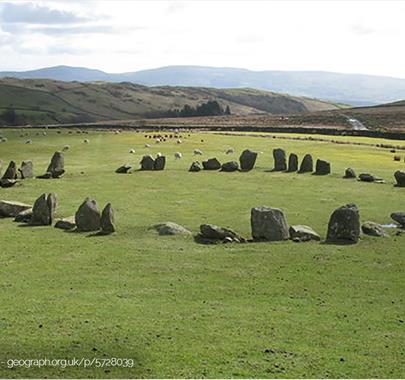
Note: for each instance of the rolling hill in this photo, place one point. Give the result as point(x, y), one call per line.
point(354, 89)
point(44, 101)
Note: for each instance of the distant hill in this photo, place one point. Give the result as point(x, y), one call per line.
point(354, 89)
point(45, 101)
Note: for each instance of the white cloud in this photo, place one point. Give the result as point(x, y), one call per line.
point(117, 36)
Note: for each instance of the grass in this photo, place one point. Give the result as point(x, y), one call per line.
point(181, 309)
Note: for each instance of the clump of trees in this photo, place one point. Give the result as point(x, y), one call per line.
point(210, 108)
point(8, 117)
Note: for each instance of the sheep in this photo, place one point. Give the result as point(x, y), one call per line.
point(147, 146)
point(86, 141)
point(197, 152)
point(29, 141)
point(179, 141)
point(157, 140)
point(230, 151)
point(132, 151)
point(65, 148)
point(178, 155)
point(44, 133)
point(158, 154)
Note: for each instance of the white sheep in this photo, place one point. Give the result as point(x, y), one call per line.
point(147, 146)
point(230, 151)
point(179, 141)
point(132, 151)
point(86, 141)
point(197, 152)
point(157, 141)
point(28, 142)
point(178, 155)
point(158, 154)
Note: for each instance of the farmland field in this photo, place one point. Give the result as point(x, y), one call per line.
point(183, 309)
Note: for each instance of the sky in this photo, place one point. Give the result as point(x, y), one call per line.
point(121, 36)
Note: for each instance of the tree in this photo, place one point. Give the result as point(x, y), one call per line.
point(9, 116)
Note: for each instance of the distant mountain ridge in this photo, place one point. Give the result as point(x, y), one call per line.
point(354, 89)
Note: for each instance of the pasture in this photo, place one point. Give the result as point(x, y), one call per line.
point(183, 309)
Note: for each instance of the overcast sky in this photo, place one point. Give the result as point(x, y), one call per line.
point(118, 36)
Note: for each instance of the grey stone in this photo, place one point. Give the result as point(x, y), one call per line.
point(307, 164)
point(43, 211)
point(349, 173)
point(123, 169)
point(322, 167)
point(147, 162)
point(231, 166)
point(247, 160)
point(66, 223)
point(160, 163)
point(10, 209)
point(87, 217)
point(373, 229)
point(57, 165)
point(399, 217)
point(344, 225)
point(11, 171)
point(400, 178)
point(213, 232)
point(269, 224)
point(367, 177)
point(170, 228)
point(107, 220)
point(5, 183)
point(24, 216)
point(211, 164)
point(303, 233)
point(292, 163)
point(280, 160)
point(26, 170)
point(195, 167)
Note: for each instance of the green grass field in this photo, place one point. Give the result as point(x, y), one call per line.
point(182, 309)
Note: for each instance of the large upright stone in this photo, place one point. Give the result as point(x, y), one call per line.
point(87, 217)
point(11, 171)
point(107, 220)
point(247, 160)
point(147, 162)
point(43, 211)
point(344, 225)
point(26, 170)
point(211, 164)
point(56, 167)
point(322, 167)
point(292, 163)
point(160, 163)
point(307, 164)
point(400, 178)
point(280, 160)
point(269, 224)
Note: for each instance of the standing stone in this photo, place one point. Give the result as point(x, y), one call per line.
point(26, 170)
point(349, 173)
point(307, 164)
point(322, 167)
point(269, 224)
point(160, 163)
point(87, 217)
point(107, 220)
point(211, 164)
point(147, 162)
point(11, 171)
point(400, 178)
point(344, 225)
point(292, 163)
point(43, 211)
point(57, 166)
point(247, 160)
point(195, 167)
point(280, 160)
point(231, 166)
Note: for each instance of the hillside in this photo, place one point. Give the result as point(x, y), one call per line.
point(354, 89)
point(43, 101)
